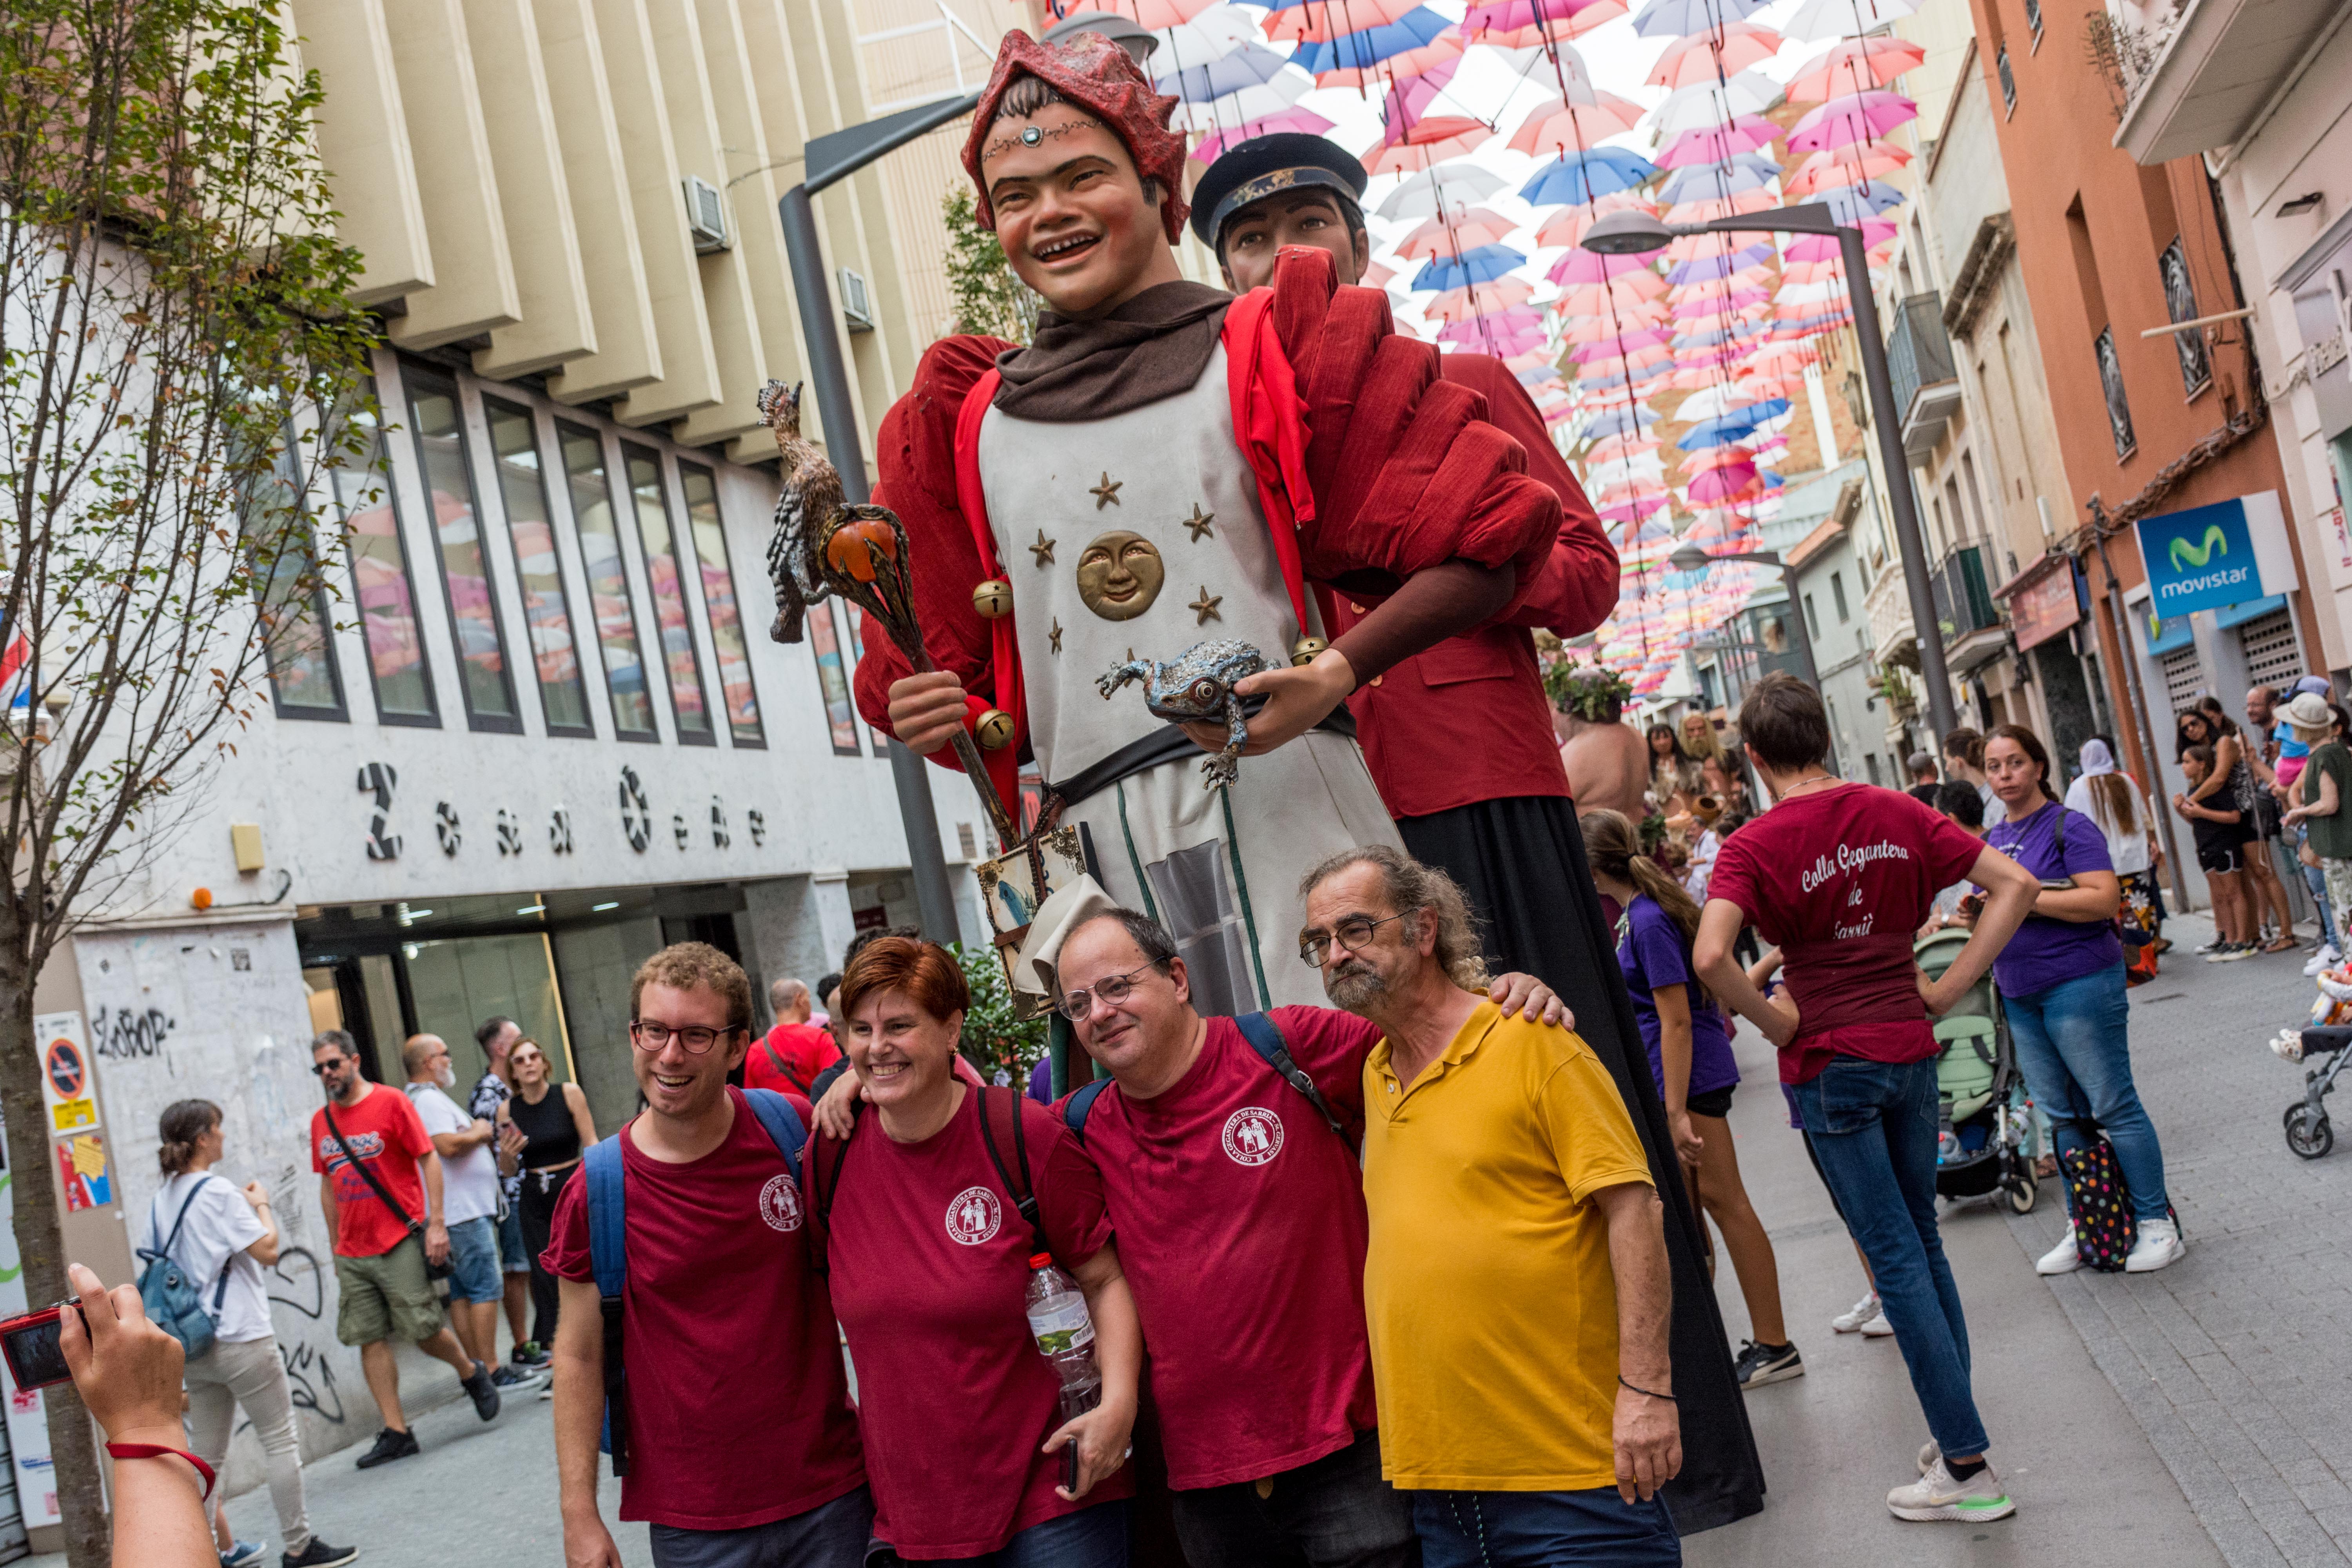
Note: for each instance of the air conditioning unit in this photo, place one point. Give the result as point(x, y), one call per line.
point(857, 305)
point(706, 216)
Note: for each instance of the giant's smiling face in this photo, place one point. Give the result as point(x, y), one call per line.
point(1076, 222)
point(1120, 573)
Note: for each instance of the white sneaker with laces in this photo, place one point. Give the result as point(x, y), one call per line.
point(2063, 1259)
point(2324, 957)
point(2158, 1245)
point(1938, 1495)
point(1878, 1328)
point(1928, 1455)
point(1853, 1316)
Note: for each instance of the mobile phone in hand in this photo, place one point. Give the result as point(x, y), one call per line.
point(30, 1345)
point(1070, 1465)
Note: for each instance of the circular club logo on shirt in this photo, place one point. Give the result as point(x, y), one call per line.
point(973, 1216)
point(780, 1203)
point(1252, 1135)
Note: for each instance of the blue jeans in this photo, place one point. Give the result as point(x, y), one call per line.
point(474, 1260)
point(1539, 1529)
point(2317, 881)
point(1872, 1126)
point(513, 1256)
point(2074, 1043)
point(1091, 1538)
point(830, 1535)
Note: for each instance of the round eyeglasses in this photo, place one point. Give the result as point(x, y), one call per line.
point(648, 1036)
point(1352, 933)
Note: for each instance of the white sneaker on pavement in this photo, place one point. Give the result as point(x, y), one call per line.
point(2326, 956)
point(1853, 1316)
point(1878, 1328)
point(1938, 1495)
point(2062, 1258)
point(1928, 1455)
point(2158, 1246)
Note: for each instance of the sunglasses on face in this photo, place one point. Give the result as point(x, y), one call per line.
point(321, 1069)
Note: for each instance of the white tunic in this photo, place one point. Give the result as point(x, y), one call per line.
point(1161, 841)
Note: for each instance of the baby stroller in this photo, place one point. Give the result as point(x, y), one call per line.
point(2330, 1030)
point(1983, 1146)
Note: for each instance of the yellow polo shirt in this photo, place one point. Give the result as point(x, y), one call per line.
point(1488, 1288)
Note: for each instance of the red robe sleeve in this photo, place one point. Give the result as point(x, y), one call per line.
point(916, 454)
point(1577, 586)
point(1407, 473)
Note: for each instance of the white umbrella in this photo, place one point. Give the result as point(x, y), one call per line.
point(1254, 103)
point(1207, 38)
point(1706, 105)
point(1449, 185)
point(1533, 64)
point(1817, 21)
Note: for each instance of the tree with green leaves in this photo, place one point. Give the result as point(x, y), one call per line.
point(994, 1040)
point(178, 350)
point(988, 298)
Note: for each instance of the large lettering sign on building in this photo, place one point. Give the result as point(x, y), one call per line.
point(2209, 557)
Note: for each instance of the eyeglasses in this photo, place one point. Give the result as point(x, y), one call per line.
point(321, 1069)
point(1353, 933)
point(652, 1037)
point(1113, 989)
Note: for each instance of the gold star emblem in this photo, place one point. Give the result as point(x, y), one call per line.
point(1205, 606)
point(1106, 493)
point(1055, 634)
point(1201, 522)
point(1043, 550)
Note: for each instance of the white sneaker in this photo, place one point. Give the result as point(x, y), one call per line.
point(1928, 1455)
point(1938, 1495)
point(2063, 1259)
point(2323, 958)
point(2158, 1246)
point(1853, 1316)
point(1878, 1328)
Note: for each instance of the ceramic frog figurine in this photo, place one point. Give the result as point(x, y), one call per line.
point(1197, 684)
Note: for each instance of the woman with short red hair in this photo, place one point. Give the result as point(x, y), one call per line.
point(930, 1214)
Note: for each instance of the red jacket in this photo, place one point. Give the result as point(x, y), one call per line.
point(1467, 721)
point(1364, 455)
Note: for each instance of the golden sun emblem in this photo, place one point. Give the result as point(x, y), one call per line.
point(1120, 574)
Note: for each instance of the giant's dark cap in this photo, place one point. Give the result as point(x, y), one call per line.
point(1249, 171)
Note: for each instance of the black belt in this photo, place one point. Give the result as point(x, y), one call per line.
point(1165, 745)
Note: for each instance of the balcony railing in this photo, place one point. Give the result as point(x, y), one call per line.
point(1963, 599)
point(1919, 363)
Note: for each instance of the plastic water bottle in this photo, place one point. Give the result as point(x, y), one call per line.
point(1947, 1146)
point(1065, 1333)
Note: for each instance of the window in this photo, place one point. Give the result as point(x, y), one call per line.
point(295, 625)
point(2008, 79)
point(2033, 19)
point(831, 679)
point(522, 487)
point(1812, 621)
point(381, 580)
point(718, 602)
point(2180, 305)
point(669, 597)
point(1837, 596)
point(608, 582)
point(439, 422)
point(2111, 379)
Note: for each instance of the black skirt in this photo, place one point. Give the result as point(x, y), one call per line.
point(1521, 861)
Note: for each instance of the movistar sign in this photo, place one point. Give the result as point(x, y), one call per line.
point(2209, 557)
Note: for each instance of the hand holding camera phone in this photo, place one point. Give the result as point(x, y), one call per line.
point(30, 1344)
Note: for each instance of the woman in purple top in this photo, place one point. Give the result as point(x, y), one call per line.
point(1690, 1058)
point(2062, 990)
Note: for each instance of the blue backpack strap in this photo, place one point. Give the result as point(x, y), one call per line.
point(608, 1257)
point(1082, 1100)
point(783, 1123)
point(1265, 1037)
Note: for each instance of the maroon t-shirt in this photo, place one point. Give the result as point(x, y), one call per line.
point(930, 1270)
point(1840, 879)
point(1242, 1224)
point(741, 1415)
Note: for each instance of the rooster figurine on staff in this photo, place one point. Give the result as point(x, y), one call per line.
point(824, 546)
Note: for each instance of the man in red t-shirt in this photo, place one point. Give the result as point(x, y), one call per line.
point(742, 1446)
point(1241, 1217)
point(795, 1050)
point(1838, 875)
point(382, 1247)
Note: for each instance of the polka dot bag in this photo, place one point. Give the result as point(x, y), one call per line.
point(2105, 1227)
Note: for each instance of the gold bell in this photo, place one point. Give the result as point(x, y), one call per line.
point(1304, 650)
point(994, 728)
point(992, 599)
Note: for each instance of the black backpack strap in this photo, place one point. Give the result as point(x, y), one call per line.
point(823, 1186)
point(1081, 1101)
point(787, 1074)
point(1003, 1105)
point(1265, 1037)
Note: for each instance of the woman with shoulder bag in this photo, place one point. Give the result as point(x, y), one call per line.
point(920, 1215)
point(221, 1237)
point(543, 1129)
point(2062, 990)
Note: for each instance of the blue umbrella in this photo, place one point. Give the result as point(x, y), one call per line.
point(1627, 421)
point(1852, 203)
point(1707, 268)
point(1711, 182)
point(1721, 431)
point(1361, 50)
point(1483, 265)
point(1770, 408)
point(1245, 67)
point(1580, 177)
point(1682, 18)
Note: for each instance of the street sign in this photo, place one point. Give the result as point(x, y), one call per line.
point(66, 1087)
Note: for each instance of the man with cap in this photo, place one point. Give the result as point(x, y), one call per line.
point(1459, 740)
point(1164, 467)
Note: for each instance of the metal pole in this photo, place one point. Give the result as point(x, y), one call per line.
point(1804, 640)
point(829, 376)
point(1887, 419)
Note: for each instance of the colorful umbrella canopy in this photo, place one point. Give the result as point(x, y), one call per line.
point(1304, 120)
point(1152, 14)
point(1710, 103)
point(1857, 117)
point(1256, 102)
point(1683, 18)
point(1580, 177)
point(1409, 97)
point(1451, 234)
point(1322, 20)
point(1248, 66)
point(1845, 166)
point(1856, 64)
point(1818, 19)
point(1492, 299)
point(1743, 136)
point(1431, 142)
point(1478, 266)
point(1561, 124)
point(1422, 195)
point(1704, 57)
point(1210, 36)
point(1369, 45)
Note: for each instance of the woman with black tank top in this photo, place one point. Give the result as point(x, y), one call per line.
point(543, 1129)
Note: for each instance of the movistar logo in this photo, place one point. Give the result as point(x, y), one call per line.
point(2185, 554)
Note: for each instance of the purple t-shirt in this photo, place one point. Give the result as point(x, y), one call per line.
point(1651, 955)
point(2046, 951)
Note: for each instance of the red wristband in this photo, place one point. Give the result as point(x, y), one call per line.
point(157, 1451)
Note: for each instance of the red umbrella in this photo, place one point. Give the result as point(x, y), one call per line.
point(1569, 122)
point(1689, 61)
point(1433, 140)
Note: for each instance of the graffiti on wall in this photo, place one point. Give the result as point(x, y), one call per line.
point(126, 1035)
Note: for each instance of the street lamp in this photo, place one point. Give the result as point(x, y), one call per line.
point(826, 161)
point(1638, 234)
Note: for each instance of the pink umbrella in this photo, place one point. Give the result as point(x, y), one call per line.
point(1689, 61)
point(1591, 267)
point(1592, 298)
point(1845, 166)
point(1856, 64)
point(1452, 233)
point(1483, 299)
point(1563, 123)
point(1409, 97)
point(1305, 120)
point(1720, 145)
point(1433, 140)
point(1715, 486)
point(1323, 20)
point(1446, 46)
point(1483, 22)
point(1859, 117)
point(1156, 15)
point(1738, 201)
point(1567, 225)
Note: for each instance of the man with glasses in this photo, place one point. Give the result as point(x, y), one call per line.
point(742, 1451)
point(1514, 1280)
point(1241, 1219)
point(379, 1189)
